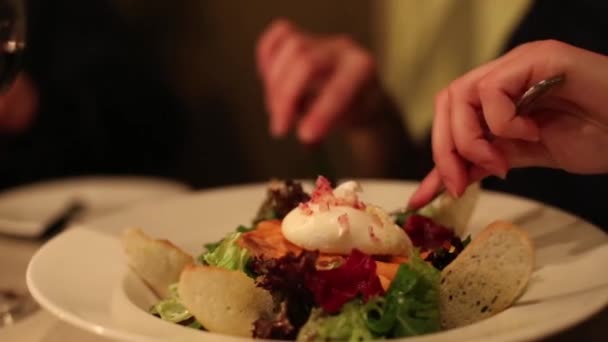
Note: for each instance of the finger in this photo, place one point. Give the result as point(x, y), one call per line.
point(468, 129)
point(477, 173)
point(468, 126)
point(294, 46)
point(427, 189)
point(497, 92)
point(295, 85)
point(449, 164)
point(470, 140)
point(521, 154)
point(270, 41)
point(335, 96)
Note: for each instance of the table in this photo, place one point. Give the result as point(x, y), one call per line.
point(41, 326)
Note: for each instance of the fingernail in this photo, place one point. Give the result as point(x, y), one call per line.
point(532, 137)
point(497, 171)
point(276, 129)
point(453, 193)
point(495, 166)
point(306, 135)
point(500, 174)
point(412, 203)
point(451, 188)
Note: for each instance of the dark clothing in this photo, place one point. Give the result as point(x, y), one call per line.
point(581, 23)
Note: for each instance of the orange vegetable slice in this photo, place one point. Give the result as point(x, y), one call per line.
point(267, 241)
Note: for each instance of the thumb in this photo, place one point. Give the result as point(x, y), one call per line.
point(521, 153)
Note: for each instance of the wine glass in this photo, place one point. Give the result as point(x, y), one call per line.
point(15, 304)
point(12, 39)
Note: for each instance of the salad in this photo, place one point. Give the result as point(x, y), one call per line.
point(326, 266)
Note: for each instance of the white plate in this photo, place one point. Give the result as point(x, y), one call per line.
point(81, 275)
point(25, 210)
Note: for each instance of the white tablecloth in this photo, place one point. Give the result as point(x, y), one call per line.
point(41, 326)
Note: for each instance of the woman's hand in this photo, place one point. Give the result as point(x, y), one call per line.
point(566, 129)
point(316, 82)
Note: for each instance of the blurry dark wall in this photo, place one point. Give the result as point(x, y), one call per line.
point(162, 88)
point(208, 48)
point(105, 107)
point(237, 34)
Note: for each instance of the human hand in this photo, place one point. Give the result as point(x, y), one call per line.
point(17, 105)
point(319, 81)
point(566, 129)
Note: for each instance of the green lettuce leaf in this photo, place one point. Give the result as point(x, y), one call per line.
point(211, 246)
point(244, 229)
point(429, 211)
point(448, 211)
point(411, 304)
point(227, 254)
point(171, 309)
point(348, 325)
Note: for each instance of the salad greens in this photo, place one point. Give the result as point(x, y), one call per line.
point(346, 303)
point(244, 229)
point(430, 210)
point(410, 307)
point(281, 198)
point(349, 325)
point(227, 254)
point(411, 304)
point(211, 246)
point(448, 211)
point(172, 310)
point(285, 278)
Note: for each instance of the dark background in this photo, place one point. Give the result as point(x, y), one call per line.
point(169, 88)
point(159, 88)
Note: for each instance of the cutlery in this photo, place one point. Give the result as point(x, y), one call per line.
point(532, 94)
point(16, 305)
point(63, 219)
point(54, 225)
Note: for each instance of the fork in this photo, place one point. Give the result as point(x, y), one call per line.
point(532, 94)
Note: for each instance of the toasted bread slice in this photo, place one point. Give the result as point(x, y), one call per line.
point(487, 277)
point(223, 301)
point(158, 262)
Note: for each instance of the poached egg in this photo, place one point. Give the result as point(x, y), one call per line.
point(335, 221)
